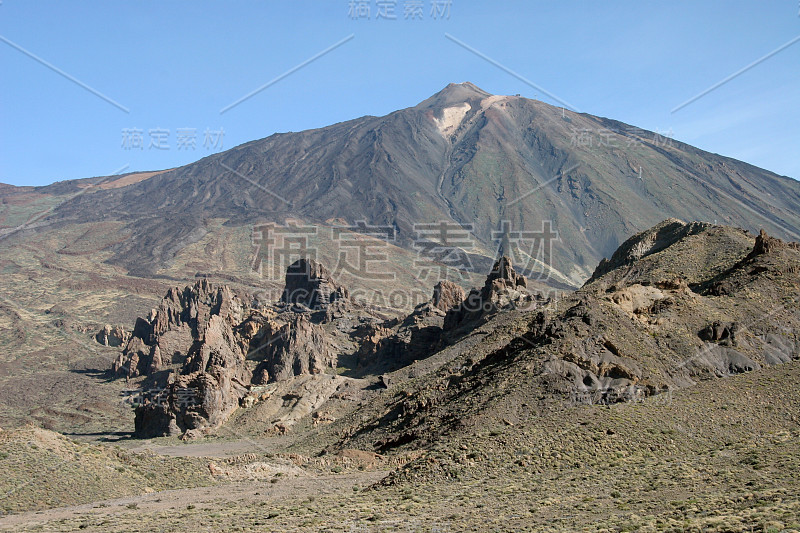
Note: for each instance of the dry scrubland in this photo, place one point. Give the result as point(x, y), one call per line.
point(722, 456)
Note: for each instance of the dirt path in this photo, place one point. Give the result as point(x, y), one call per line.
point(201, 497)
point(209, 449)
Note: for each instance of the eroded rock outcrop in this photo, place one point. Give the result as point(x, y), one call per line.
point(309, 284)
point(225, 348)
point(164, 337)
point(291, 349)
point(447, 295)
point(765, 245)
point(112, 336)
point(504, 289)
point(213, 375)
point(720, 333)
point(394, 344)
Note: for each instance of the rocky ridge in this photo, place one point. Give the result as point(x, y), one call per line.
point(682, 303)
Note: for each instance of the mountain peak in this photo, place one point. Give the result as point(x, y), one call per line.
point(466, 86)
point(454, 94)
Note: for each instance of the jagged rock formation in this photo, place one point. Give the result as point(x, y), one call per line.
point(446, 295)
point(112, 336)
point(395, 344)
point(233, 348)
point(503, 289)
point(448, 314)
point(291, 349)
point(226, 348)
point(309, 284)
point(196, 325)
point(181, 319)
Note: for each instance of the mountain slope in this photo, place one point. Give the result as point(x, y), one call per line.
point(463, 156)
point(707, 302)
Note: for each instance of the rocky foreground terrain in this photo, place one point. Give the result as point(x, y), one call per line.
point(660, 396)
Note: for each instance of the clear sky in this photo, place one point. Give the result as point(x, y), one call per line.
point(174, 65)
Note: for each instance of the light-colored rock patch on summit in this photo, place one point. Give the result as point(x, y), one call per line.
point(451, 118)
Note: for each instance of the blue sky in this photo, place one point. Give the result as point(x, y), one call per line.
point(175, 65)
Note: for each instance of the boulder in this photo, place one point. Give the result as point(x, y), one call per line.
point(719, 333)
point(447, 295)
